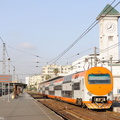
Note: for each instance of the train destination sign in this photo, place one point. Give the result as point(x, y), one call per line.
point(6, 78)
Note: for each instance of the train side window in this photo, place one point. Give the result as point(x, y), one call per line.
point(46, 88)
point(51, 92)
point(76, 86)
point(76, 76)
point(67, 94)
point(58, 87)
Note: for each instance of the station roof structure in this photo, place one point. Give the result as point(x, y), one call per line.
point(108, 11)
point(20, 84)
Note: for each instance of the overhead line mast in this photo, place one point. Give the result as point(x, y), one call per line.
point(4, 60)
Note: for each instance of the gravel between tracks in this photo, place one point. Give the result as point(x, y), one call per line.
point(72, 112)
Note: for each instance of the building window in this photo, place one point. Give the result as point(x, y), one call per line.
point(118, 90)
point(110, 38)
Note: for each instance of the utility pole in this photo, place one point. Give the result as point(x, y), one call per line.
point(3, 69)
point(9, 65)
point(3, 65)
point(14, 73)
point(8, 82)
point(95, 58)
point(111, 63)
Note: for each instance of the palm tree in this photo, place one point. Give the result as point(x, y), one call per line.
point(56, 71)
point(47, 77)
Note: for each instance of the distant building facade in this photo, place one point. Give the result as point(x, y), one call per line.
point(49, 69)
point(47, 73)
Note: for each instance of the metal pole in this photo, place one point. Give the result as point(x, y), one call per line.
point(8, 92)
point(3, 65)
point(14, 74)
point(3, 69)
point(8, 82)
point(2, 90)
point(91, 61)
point(111, 63)
point(95, 59)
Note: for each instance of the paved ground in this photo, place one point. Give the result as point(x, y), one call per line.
point(24, 108)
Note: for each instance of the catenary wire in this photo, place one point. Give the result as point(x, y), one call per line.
point(89, 28)
point(26, 52)
point(84, 33)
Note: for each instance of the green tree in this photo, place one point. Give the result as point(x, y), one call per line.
point(56, 71)
point(47, 77)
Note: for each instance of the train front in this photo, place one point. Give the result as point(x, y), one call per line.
point(99, 85)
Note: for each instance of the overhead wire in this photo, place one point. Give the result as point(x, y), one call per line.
point(84, 33)
point(79, 53)
point(2, 40)
point(110, 47)
point(27, 52)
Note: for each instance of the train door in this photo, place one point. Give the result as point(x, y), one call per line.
point(82, 88)
point(80, 98)
point(76, 89)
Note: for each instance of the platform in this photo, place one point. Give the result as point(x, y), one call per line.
point(24, 108)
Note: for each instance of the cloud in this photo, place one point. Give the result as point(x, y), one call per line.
point(27, 45)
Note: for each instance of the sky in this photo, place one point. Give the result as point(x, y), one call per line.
point(45, 28)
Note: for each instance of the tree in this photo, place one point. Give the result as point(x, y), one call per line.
point(56, 71)
point(47, 77)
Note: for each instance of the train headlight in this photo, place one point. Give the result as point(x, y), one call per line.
point(89, 93)
point(104, 99)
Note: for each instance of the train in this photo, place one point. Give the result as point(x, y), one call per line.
point(92, 88)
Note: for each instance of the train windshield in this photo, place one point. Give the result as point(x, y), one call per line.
point(99, 79)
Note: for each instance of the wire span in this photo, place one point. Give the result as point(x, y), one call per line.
point(84, 33)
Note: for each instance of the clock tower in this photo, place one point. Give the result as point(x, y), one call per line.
point(108, 36)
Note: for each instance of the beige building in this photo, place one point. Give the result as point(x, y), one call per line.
point(47, 73)
point(50, 69)
point(33, 81)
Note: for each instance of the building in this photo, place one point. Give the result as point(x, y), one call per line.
point(47, 73)
point(33, 81)
point(85, 62)
point(108, 35)
point(50, 69)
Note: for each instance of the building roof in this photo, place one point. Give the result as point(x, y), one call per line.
point(108, 11)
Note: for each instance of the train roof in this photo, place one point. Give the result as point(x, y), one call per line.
point(67, 78)
point(52, 79)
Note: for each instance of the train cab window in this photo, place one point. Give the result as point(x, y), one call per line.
point(99, 79)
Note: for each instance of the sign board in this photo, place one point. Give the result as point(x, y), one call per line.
point(6, 78)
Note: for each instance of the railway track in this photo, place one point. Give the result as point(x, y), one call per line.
point(72, 112)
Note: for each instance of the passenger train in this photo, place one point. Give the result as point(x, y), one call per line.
point(92, 88)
